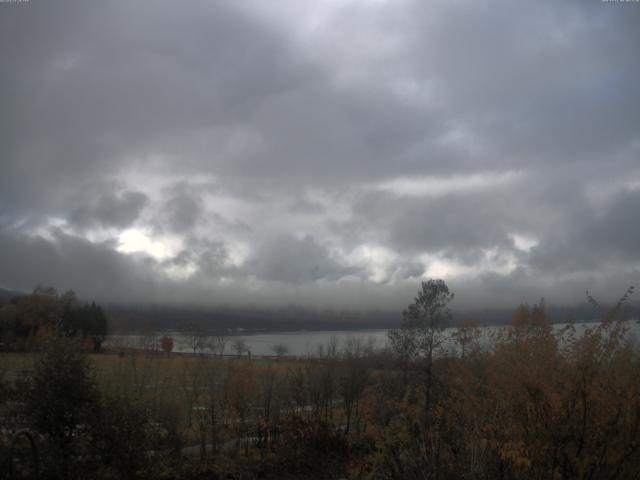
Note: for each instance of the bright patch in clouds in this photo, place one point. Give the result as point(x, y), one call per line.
point(237, 253)
point(177, 272)
point(492, 260)
point(378, 260)
point(135, 241)
point(435, 186)
point(440, 269)
point(524, 242)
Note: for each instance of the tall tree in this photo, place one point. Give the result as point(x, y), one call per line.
point(421, 335)
point(62, 399)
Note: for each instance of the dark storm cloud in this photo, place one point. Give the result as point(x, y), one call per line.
point(109, 210)
point(71, 262)
point(547, 82)
point(291, 260)
point(257, 145)
point(458, 224)
point(90, 89)
point(595, 239)
point(182, 209)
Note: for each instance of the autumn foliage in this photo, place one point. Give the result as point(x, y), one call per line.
point(27, 321)
point(540, 403)
point(167, 344)
point(525, 401)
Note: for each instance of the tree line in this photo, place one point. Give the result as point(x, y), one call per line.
point(26, 321)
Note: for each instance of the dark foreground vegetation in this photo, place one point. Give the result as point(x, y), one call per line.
point(26, 321)
point(532, 403)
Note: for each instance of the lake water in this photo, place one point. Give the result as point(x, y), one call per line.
point(302, 343)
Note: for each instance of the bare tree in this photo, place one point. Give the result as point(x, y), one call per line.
point(143, 371)
point(268, 381)
point(190, 383)
point(218, 342)
point(280, 349)
point(240, 392)
point(322, 378)
point(467, 336)
point(148, 341)
point(354, 375)
point(240, 346)
point(216, 401)
point(195, 338)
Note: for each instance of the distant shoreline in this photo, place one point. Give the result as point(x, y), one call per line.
point(267, 331)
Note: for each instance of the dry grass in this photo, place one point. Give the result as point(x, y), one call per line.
point(159, 379)
point(14, 366)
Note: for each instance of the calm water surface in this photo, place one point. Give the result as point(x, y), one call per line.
point(304, 342)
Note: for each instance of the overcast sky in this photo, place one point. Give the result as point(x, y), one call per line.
point(327, 153)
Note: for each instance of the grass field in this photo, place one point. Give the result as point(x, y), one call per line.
point(186, 385)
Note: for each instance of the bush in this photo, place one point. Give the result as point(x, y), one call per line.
point(122, 437)
point(305, 445)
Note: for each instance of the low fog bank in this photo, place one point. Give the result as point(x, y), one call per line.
point(139, 319)
point(321, 307)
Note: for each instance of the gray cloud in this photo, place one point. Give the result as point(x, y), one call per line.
point(291, 260)
point(110, 210)
point(251, 149)
point(460, 225)
point(182, 209)
point(71, 262)
point(595, 239)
